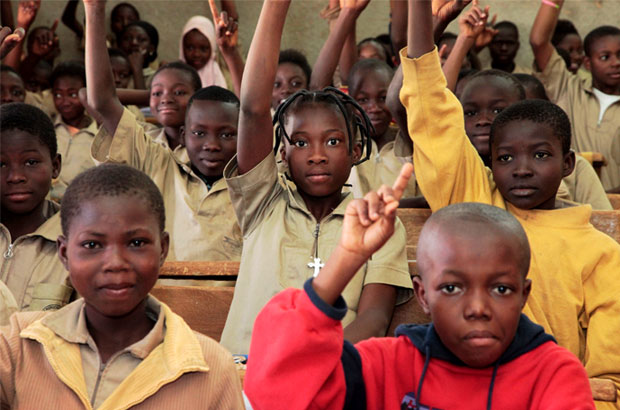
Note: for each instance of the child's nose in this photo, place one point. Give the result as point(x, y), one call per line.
point(16, 175)
point(115, 260)
point(476, 307)
point(522, 168)
point(318, 155)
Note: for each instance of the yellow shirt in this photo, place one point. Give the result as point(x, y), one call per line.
point(201, 221)
point(31, 268)
point(575, 96)
point(8, 306)
point(74, 149)
point(279, 237)
point(574, 268)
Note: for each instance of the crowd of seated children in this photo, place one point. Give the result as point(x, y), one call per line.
point(116, 347)
point(29, 222)
point(593, 107)
point(289, 229)
point(201, 220)
point(530, 154)
point(139, 40)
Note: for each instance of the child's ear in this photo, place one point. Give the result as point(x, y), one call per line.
point(182, 132)
point(420, 293)
point(283, 153)
point(56, 166)
point(357, 152)
point(61, 245)
point(165, 246)
point(587, 63)
point(569, 163)
point(527, 288)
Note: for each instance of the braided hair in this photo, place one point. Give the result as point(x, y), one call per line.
point(354, 116)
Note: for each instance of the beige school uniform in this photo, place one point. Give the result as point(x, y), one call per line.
point(31, 268)
point(172, 367)
point(576, 97)
point(74, 148)
point(43, 101)
point(585, 187)
point(8, 306)
point(279, 238)
point(201, 221)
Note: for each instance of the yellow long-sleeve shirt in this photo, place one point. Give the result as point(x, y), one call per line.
point(574, 268)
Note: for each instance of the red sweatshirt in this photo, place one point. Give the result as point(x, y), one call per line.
point(298, 360)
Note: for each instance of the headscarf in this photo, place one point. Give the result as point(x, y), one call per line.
point(210, 74)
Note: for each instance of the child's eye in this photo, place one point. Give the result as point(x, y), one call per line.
point(32, 162)
point(91, 245)
point(228, 135)
point(17, 93)
point(137, 243)
point(73, 95)
point(504, 158)
point(470, 113)
point(333, 141)
point(450, 289)
point(604, 57)
point(300, 143)
point(180, 92)
point(296, 84)
point(497, 110)
point(156, 93)
point(276, 84)
point(541, 155)
point(502, 290)
point(199, 134)
point(57, 95)
point(362, 100)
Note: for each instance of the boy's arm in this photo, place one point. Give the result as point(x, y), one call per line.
point(255, 134)
point(542, 31)
point(326, 63)
point(101, 91)
point(26, 13)
point(69, 20)
point(376, 306)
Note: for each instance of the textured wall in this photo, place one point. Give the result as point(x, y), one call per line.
point(306, 31)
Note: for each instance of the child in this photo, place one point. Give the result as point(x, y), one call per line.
point(29, 227)
point(289, 230)
point(11, 86)
point(504, 47)
point(530, 154)
point(74, 128)
point(566, 37)
point(116, 347)
point(479, 352)
point(293, 74)
point(139, 41)
point(593, 107)
point(121, 67)
point(122, 15)
point(201, 219)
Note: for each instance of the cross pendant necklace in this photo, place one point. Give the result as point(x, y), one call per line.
point(316, 263)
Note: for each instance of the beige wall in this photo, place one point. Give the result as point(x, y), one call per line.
point(306, 31)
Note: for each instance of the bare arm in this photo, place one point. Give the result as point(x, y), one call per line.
point(420, 28)
point(374, 313)
point(26, 13)
point(69, 20)
point(129, 96)
point(101, 91)
point(7, 15)
point(542, 31)
point(8, 40)
point(398, 32)
point(327, 61)
point(255, 134)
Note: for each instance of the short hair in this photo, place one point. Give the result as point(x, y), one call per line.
point(185, 68)
point(71, 68)
point(386, 42)
point(366, 65)
point(517, 87)
point(507, 24)
point(539, 112)
point(528, 80)
point(454, 216)
point(378, 44)
point(116, 9)
point(117, 52)
point(445, 36)
point(214, 93)
point(597, 34)
point(151, 31)
point(111, 180)
point(10, 69)
point(296, 57)
point(30, 119)
point(562, 29)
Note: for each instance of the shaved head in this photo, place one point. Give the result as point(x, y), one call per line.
point(469, 221)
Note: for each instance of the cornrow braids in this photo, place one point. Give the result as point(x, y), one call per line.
point(354, 115)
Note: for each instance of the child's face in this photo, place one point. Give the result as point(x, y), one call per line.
point(318, 156)
point(136, 39)
point(65, 91)
point(39, 80)
point(370, 92)
point(170, 92)
point(290, 78)
point(27, 171)
point(482, 99)
point(528, 164)
point(604, 63)
point(573, 45)
point(504, 45)
point(121, 70)
point(113, 252)
point(196, 49)
point(211, 135)
point(474, 289)
point(371, 49)
point(123, 16)
point(11, 88)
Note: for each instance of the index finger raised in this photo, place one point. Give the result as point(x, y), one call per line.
point(214, 11)
point(401, 182)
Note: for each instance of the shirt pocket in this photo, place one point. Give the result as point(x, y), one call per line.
point(50, 296)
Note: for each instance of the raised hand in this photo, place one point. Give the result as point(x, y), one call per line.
point(357, 5)
point(447, 10)
point(9, 40)
point(369, 222)
point(27, 12)
point(486, 35)
point(226, 32)
point(473, 23)
point(46, 42)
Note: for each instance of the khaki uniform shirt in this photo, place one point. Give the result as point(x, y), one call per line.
point(584, 186)
point(201, 221)
point(43, 101)
point(8, 306)
point(31, 268)
point(575, 96)
point(75, 153)
point(279, 235)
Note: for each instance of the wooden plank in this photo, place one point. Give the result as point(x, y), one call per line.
point(603, 390)
point(205, 309)
point(607, 222)
point(219, 270)
point(615, 200)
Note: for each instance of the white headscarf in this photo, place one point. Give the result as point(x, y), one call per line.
point(210, 74)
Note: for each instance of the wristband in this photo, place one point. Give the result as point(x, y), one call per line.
point(550, 3)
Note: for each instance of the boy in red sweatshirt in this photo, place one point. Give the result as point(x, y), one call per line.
point(479, 352)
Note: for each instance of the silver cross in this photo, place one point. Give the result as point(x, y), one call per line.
point(317, 265)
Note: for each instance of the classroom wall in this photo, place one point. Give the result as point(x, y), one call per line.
point(306, 31)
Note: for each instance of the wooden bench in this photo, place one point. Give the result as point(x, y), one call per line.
point(615, 200)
